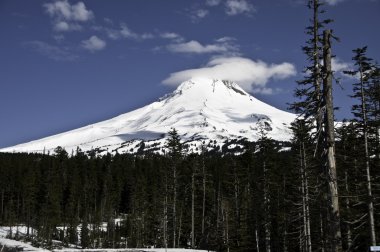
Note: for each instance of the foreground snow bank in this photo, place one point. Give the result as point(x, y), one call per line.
point(17, 245)
point(133, 250)
point(21, 246)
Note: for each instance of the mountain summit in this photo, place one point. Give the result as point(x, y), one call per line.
point(203, 111)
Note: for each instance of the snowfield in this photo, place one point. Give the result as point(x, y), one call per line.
point(200, 110)
point(19, 245)
point(135, 250)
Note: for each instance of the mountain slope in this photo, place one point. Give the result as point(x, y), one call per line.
point(202, 110)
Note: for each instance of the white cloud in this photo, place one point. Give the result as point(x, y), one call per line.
point(65, 26)
point(64, 11)
point(174, 37)
point(198, 14)
point(169, 35)
point(146, 36)
point(58, 37)
point(66, 16)
point(338, 65)
point(94, 44)
point(52, 52)
point(225, 40)
point(124, 32)
point(251, 75)
point(266, 90)
point(223, 45)
point(201, 13)
point(333, 2)
point(236, 7)
point(213, 2)
point(108, 21)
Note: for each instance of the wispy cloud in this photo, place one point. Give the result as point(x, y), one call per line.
point(333, 2)
point(198, 14)
point(236, 7)
point(266, 90)
point(66, 17)
point(250, 74)
point(108, 21)
point(175, 37)
point(58, 37)
point(52, 52)
point(213, 2)
point(338, 65)
point(224, 45)
point(123, 32)
point(63, 26)
point(94, 44)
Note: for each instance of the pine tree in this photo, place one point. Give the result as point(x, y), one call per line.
point(174, 146)
point(365, 70)
point(301, 141)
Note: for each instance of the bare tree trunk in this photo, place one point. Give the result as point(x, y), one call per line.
point(227, 231)
point(204, 196)
point(301, 242)
point(218, 207)
point(348, 227)
point(368, 173)
point(179, 228)
point(334, 213)
point(257, 239)
point(305, 199)
point(192, 210)
point(266, 207)
point(174, 204)
point(285, 234)
point(237, 208)
point(284, 241)
point(2, 204)
point(166, 215)
point(28, 222)
point(323, 245)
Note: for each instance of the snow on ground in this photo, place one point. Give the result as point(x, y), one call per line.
point(20, 230)
point(27, 247)
point(19, 245)
point(133, 250)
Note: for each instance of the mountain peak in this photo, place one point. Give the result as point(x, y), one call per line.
point(207, 84)
point(202, 110)
point(197, 89)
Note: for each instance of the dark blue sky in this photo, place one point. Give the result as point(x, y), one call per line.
point(66, 64)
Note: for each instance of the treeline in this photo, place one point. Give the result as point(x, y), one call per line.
point(262, 200)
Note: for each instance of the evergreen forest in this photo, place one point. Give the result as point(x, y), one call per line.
point(319, 192)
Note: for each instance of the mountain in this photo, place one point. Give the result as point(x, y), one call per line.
point(203, 111)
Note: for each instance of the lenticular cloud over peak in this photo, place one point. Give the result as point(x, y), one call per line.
point(248, 73)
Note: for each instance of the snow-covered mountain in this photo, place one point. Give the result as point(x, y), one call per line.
point(203, 111)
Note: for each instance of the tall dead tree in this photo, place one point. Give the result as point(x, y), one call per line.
point(329, 149)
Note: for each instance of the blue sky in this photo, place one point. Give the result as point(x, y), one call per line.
point(66, 64)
